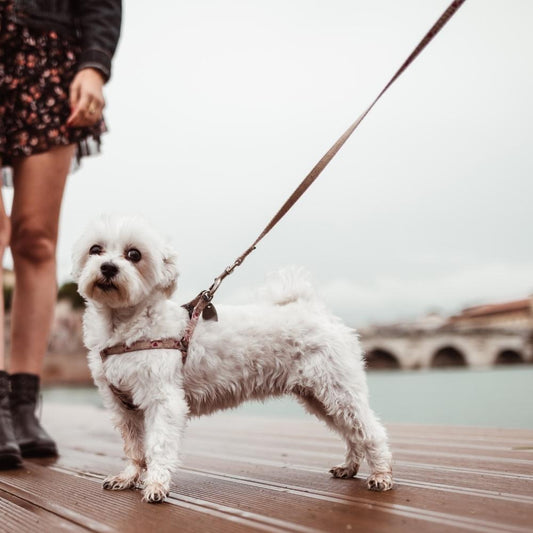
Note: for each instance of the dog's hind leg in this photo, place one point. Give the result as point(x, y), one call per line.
point(165, 420)
point(131, 427)
point(354, 452)
point(374, 442)
point(349, 413)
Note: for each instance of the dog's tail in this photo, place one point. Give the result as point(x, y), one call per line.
point(288, 285)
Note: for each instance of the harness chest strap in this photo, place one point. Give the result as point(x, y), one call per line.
point(159, 344)
point(200, 306)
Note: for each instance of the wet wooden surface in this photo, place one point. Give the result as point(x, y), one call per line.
point(262, 474)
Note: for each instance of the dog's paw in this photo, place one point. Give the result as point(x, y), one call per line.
point(119, 482)
point(344, 471)
point(155, 493)
point(380, 481)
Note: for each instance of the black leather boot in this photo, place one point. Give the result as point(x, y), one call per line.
point(32, 439)
point(9, 449)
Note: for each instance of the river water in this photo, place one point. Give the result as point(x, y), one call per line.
point(492, 397)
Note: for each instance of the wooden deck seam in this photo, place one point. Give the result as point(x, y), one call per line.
point(466, 470)
point(512, 445)
point(333, 438)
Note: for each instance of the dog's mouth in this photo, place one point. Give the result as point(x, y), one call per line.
point(106, 285)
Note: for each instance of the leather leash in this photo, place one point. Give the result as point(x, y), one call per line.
point(201, 305)
point(196, 307)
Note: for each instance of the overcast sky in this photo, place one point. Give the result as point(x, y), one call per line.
point(218, 109)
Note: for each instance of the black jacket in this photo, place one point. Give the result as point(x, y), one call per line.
point(95, 23)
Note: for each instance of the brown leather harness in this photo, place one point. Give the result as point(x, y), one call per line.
point(201, 305)
point(208, 312)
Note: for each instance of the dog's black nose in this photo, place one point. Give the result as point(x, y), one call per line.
point(109, 270)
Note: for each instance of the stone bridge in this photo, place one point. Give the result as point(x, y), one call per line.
point(409, 349)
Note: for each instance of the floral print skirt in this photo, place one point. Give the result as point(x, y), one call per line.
point(36, 70)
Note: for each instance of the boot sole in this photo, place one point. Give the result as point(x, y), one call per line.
point(39, 451)
point(10, 460)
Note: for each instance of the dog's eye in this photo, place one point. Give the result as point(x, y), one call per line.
point(133, 255)
point(95, 249)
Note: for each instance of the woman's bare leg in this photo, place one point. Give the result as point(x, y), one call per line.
point(39, 182)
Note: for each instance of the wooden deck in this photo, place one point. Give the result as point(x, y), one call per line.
point(260, 474)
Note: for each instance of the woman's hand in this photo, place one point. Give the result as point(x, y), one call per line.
point(86, 98)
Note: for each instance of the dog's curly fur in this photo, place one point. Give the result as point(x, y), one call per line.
point(284, 343)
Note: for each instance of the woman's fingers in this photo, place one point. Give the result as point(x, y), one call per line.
point(86, 99)
point(86, 113)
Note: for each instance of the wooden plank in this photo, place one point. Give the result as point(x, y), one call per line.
point(18, 514)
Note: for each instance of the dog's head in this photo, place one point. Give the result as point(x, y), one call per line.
point(120, 261)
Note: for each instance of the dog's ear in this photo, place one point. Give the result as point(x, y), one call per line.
point(169, 272)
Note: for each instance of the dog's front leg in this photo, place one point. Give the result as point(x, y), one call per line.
point(164, 421)
point(131, 426)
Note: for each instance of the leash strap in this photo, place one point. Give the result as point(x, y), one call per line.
point(202, 300)
point(328, 156)
point(321, 165)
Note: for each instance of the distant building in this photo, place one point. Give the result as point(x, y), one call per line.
point(484, 335)
point(516, 314)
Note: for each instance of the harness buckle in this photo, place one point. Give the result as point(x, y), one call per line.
point(207, 295)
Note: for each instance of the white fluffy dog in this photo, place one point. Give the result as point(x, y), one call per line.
point(285, 343)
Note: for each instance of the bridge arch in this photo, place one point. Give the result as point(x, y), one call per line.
point(448, 356)
point(380, 359)
point(509, 357)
